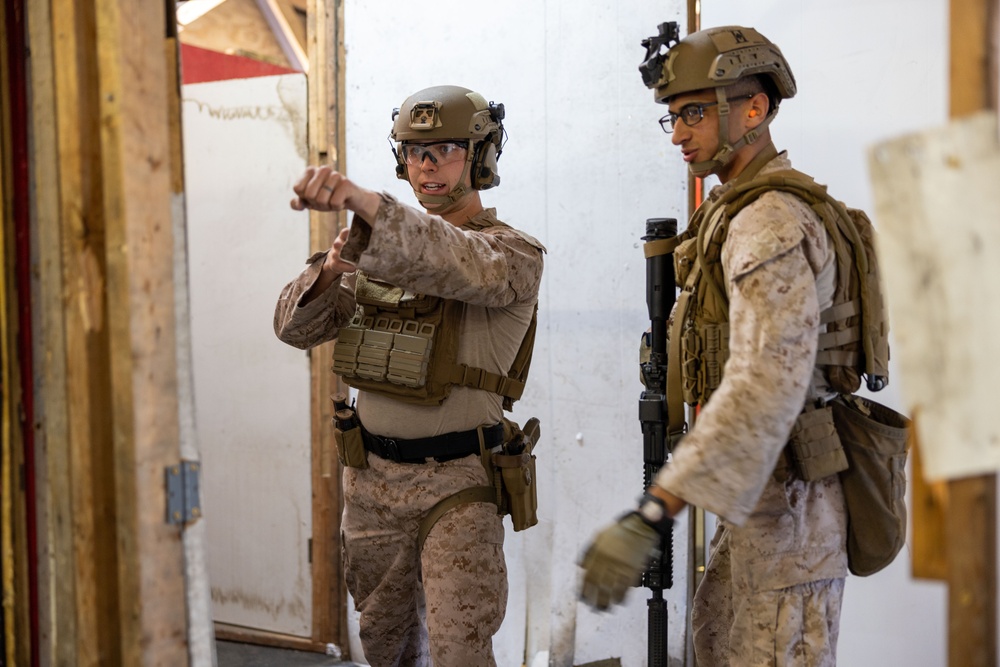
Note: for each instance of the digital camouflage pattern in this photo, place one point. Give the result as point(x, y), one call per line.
point(780, 553)
point(464, 577)
point(445, 605)
point(496, 272)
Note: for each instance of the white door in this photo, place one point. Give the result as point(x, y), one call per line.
point(244, 145)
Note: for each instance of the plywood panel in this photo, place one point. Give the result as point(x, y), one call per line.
point(246, 144)
point(236, 27)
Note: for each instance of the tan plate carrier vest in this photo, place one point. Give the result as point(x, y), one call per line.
point(856, 339)
point(405, 345)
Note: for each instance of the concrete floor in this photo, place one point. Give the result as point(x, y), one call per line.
point(233, 654)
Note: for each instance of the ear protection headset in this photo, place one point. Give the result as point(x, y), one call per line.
point(451, 113)
point(487, 152)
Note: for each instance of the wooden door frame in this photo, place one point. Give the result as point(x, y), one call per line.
point(326, 145)
point(112, 577)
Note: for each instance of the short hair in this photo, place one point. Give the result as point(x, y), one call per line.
point(753, 84)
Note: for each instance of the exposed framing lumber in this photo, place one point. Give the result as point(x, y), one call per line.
point(971, 515)
point(284, 34)
point(927, 518)
point(10, 386)
point(135, 162)
point(325, 37)
point(57, 587)
point(112, 568)
point(80, 291)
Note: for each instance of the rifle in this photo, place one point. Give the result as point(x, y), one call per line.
point(661, 293)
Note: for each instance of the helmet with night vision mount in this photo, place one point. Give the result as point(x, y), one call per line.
point(716, 58)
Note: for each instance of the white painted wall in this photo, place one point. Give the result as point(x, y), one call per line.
point(585, 165)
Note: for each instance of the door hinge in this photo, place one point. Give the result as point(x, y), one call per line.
point(183, 501)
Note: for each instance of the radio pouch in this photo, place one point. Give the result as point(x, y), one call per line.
point(814, 447)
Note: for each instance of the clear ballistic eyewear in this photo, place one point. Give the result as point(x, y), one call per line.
point(442, 152)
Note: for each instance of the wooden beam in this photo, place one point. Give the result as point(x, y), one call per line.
point(57, 589)
point(929, 504)
point(10, 384)
point(284, 34)
point(972, 512)
point(85, 450)
point(325, 36)
point(137, 197)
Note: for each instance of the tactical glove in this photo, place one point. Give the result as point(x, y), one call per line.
point(618, 555)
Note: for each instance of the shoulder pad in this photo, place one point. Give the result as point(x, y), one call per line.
point(764, 230)
point(503, 228)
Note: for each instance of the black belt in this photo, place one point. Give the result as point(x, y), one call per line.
point(440, 447)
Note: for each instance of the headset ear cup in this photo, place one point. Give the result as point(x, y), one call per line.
point(484, 166)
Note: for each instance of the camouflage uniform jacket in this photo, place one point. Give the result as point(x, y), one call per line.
point(496, 272)
point(779, 269)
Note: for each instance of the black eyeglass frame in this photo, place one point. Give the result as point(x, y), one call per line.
point(668, 122)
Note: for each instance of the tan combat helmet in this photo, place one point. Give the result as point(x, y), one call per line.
point(715, 58)
point(444, 113)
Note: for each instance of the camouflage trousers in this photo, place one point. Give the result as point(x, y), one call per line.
point(773, 587)
point(443, 606)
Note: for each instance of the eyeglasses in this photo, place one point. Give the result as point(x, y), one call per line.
point(691, 114)
point(441, 152)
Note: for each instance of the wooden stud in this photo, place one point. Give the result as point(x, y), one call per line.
point(87, 387)
point(135, 162)
point(9, 380)
point(325, 37)
point(970, 526)
point(929, 501)
point(57, 590)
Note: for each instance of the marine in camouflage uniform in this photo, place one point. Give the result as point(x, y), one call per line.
point(444, 604)
point(772, 591)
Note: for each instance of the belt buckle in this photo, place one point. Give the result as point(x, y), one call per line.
point(392, 449)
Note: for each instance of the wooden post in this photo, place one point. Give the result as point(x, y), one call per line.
point(327, 144)
point(971, 522)
point(930, 502)
point(135, 161)
point(57, 588)
point(112, 568)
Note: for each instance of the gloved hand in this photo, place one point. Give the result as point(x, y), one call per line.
point(616, 559)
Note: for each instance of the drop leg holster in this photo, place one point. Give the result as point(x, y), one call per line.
point(511, 469)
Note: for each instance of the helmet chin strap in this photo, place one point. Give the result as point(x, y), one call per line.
point(442, 204)
point(726, 150)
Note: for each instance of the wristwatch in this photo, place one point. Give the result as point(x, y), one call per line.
point(653, 511)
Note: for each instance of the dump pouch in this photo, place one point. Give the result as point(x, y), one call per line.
point(875, 441)
point(814, 447)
